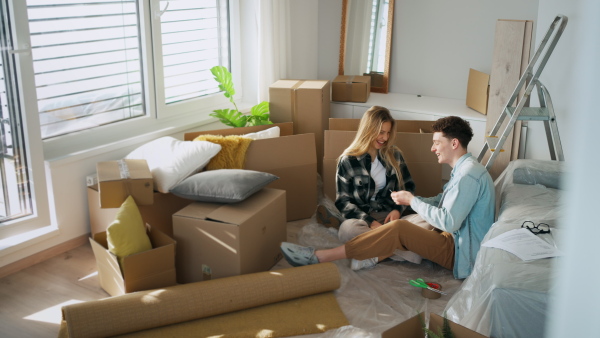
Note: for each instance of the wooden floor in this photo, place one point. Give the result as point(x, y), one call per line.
point(31, 299)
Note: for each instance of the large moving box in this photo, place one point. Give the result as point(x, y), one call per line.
point(146, 270)
point(220, 240)
point(414, 140)
point(306, 103)
point(159, 213)
point(290, 157)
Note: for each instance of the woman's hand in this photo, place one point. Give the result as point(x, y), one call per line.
point(392, 216)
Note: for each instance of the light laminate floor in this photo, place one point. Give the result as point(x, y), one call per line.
point(31, 299)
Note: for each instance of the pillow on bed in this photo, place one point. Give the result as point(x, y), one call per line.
point(223, 185)
point(267, 133)
point(171, 160)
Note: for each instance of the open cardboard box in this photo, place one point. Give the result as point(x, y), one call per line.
point(413, 328)
point(151, 269)
point(217, 240)
point(290, 157)
point(414, 140)
point(160, 213)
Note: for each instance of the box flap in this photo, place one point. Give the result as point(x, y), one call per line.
point(336, 141)
point(478, 90)
point(285, 129)
point(291, 151)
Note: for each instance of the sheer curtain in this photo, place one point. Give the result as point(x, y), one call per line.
point(273, 25)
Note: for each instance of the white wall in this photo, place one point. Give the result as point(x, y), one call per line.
point(573, 79)
point(434, 42)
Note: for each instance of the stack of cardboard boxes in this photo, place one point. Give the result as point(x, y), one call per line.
point(209, 240)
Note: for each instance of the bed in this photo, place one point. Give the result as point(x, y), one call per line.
point(506, 296)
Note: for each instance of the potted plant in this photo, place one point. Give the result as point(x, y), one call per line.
point(259, 114)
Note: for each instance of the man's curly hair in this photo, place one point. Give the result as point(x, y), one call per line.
point(453, 127)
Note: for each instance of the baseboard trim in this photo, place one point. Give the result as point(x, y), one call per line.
point(43, 255)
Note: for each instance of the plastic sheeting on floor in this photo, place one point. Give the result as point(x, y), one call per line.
point(376, 299)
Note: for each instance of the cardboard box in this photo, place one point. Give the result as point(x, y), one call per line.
point(291, 157)
point(146, 270)
point(220, 240)
point(414, 140)
point(478, 91)
point(160, 213)
point(119, 179)
point(413, 328)
point(351, 88)
point(307, 104)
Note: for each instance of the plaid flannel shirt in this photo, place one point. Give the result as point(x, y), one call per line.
point(355, 187)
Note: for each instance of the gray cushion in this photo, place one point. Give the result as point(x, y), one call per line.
point(223, 185)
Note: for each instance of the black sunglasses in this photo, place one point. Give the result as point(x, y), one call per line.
point(540, 228)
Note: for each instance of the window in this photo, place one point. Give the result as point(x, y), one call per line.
point(88, 73)
point(15, 195)
point(192, 36)
point(87, 58)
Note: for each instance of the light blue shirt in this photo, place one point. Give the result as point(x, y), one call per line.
point(465, 209)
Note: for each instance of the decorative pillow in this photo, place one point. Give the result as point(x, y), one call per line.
point(171, 160)
point(267, 133)
point(223, 186)
point(126, 235)
point(232, 154)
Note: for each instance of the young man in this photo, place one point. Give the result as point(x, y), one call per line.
point(461, 215)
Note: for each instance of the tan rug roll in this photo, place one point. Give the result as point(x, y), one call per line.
point(155, 308)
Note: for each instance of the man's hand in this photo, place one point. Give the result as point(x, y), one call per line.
point(392, 216)
point(402, 197)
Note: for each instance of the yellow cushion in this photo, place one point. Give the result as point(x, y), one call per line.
point(232, 154)
point(126, 235)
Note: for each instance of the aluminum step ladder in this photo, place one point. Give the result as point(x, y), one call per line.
point(545, 112)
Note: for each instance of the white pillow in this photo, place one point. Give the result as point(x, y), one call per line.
point(171, 160)
point(267, 133)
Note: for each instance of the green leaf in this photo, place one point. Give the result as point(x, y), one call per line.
point(256, 121)
point(261, 110)
point(225, 80)
point(230, 117)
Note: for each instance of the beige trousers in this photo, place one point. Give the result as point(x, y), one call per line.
point(434, 245)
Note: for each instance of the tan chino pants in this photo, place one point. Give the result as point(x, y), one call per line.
point(434, 245)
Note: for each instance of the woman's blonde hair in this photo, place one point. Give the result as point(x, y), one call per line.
point(368, 130)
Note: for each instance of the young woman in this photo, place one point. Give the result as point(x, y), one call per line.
point(367, 172)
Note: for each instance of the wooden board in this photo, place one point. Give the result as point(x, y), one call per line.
point(507, 66)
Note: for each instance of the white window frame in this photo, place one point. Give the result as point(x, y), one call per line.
point(120, 133)
point(31, 129)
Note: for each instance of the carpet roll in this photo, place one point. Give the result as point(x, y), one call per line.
point(181, 303)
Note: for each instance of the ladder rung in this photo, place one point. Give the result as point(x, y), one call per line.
point(531, 113)
point(492, 142)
